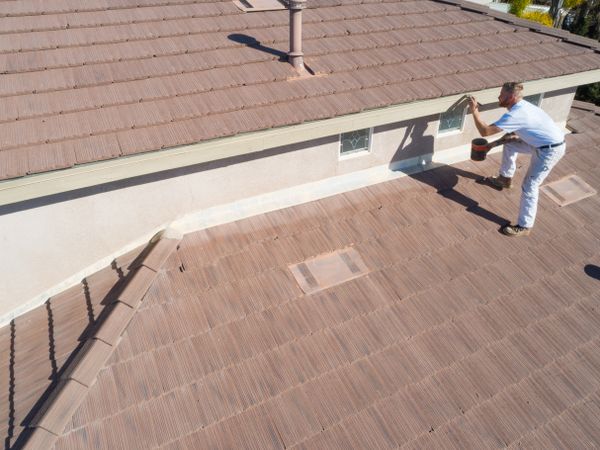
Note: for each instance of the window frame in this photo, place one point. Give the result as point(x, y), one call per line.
point(452, 131)
point(539, 104)
point(353, 153)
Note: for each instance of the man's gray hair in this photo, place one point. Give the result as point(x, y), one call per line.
point(514, 87)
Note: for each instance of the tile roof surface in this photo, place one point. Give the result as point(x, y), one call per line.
point(88, 81)
point(458, 337)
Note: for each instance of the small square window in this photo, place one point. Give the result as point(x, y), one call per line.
point(355, 141)
point(534, 99)
point(452, 120)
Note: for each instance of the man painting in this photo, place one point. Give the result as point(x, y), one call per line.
point(531, 131)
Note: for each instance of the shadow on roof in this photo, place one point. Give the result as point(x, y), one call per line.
point(415, 143)
point(251, 42)
point(444, 178)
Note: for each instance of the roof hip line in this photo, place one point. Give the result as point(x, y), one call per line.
point(80, 374)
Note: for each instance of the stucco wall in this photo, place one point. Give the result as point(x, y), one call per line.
point(49, 244)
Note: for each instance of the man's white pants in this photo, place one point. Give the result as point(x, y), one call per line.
point(542, 162)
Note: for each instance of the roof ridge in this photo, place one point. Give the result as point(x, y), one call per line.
point(81, 372)
point(564, 35)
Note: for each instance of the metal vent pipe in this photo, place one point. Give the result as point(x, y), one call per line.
point(295, 56)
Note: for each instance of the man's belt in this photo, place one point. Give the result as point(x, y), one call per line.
point(551, 145)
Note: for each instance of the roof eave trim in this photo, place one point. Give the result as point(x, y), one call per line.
point(98, 173)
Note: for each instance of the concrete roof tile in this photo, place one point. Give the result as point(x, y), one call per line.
point(142, 278)
point(30, 23)
point(454, 84)
point(88, 362)
point(13, 163)
point(61, 405)
point(39, 438)
point(114, 323)
point(55, 156)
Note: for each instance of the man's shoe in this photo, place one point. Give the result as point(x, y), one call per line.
point(515, 230)
point(500, 182)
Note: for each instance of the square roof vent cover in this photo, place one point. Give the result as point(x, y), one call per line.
point(259, 5)
point(568, 190)
point(329, 270)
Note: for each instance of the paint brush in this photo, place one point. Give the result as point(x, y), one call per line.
point(471, 97)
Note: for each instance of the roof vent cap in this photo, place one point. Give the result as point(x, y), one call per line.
point(259, 5)
point(295, 55)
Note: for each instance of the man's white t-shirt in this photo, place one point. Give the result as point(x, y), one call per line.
point(531, 124)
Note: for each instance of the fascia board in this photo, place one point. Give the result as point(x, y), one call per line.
point(93, 174)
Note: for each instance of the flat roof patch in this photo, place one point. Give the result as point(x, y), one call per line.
point(329, 270)
point(568, 190)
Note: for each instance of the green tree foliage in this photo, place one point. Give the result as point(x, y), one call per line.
point(586, 22)
point(570, 4)
point(589, 93)
point(538, 16)
point(517, 7)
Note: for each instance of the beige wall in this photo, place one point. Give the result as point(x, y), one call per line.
point(47, 246)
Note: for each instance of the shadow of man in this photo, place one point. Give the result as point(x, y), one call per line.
point(443, 178)
point(414, 143)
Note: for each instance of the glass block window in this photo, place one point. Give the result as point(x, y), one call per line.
point(534, 99)
point(355, 141)
point(452, 120)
